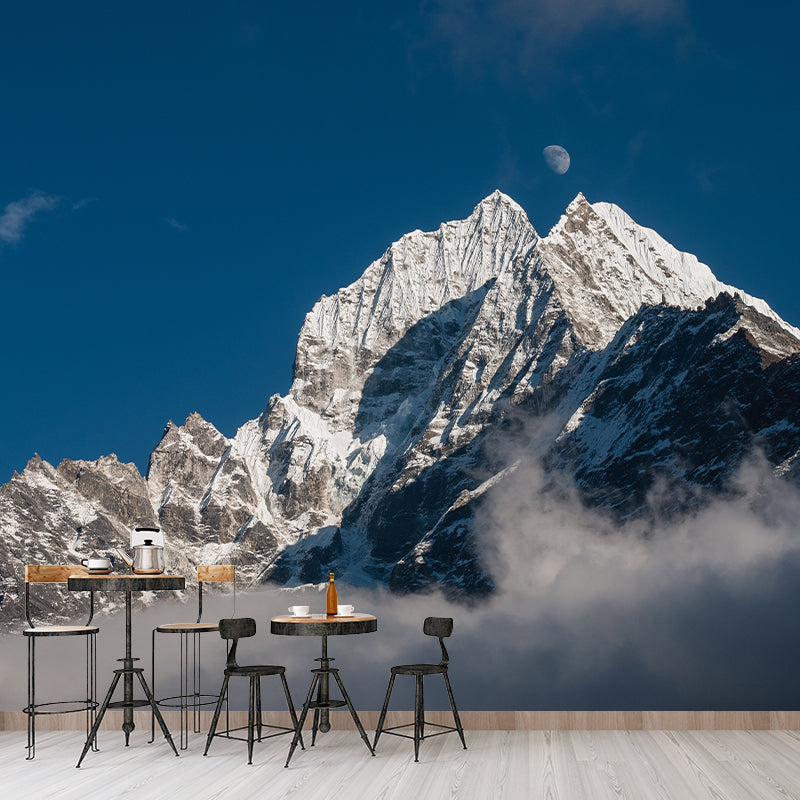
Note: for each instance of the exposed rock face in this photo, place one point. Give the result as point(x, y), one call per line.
point(594, 328)
point(60, 515)
point(414, 391)
point(679, 398)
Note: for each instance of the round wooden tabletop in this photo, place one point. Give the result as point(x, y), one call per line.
point(323, 625)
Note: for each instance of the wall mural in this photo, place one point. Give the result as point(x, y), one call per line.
point(582, 446)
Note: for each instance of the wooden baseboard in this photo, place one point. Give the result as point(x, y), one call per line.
point(471, 720)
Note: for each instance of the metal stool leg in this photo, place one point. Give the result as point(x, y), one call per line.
point(382, 717)
point(91, 686)
point(250, 719)
point(303, 715)
point(183, 701)
point(290, 704)
point(223, 693)
point(258, 706)
point(153, 684)
point(31, 710)
point(196, 681)
point(453, 707)
point(89, 700)
point(419, 713)
point(189, 685)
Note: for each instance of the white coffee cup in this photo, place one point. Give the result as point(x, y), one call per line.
point(299, 611)
point(345, 611)
point(96, 562)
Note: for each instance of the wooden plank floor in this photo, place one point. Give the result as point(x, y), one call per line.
point(499, 765)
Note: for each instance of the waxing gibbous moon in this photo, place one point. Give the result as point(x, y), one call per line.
point(557, 158)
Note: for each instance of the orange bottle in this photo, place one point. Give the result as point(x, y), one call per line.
point(331, 604)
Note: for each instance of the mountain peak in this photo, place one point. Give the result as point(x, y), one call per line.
point(418, 275)
point(497, 197)
point(605, 266)
point(37, 464)
point(577, 202)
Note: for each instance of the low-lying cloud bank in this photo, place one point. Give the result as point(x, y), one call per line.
point(690, 613)
point(693, 613)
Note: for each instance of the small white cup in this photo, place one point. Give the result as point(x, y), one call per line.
point(299, 611)
point(96, 563)
point(345, 611)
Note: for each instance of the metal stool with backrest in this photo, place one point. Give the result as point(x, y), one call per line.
point(440, 627)
point(58, 574)
point(190, 634)
point(232, 630)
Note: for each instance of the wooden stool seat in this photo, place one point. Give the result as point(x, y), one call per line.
point(188, 627)
point(61, 630)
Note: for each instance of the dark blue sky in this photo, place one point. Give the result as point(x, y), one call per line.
point(180, 182)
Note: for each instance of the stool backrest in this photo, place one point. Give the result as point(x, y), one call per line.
point(440, 627)
point(233, 630)
point(214, 573)
point(52, 573)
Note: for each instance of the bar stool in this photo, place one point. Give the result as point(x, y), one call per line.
point(190, 633)
point(58, 574)
point(440, 627)
point(232, 630)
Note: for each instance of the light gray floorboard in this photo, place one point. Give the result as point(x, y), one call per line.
point(500, 765)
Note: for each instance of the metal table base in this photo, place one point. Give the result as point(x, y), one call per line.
point(128, 584)
point(323, 703)
point(324, 625)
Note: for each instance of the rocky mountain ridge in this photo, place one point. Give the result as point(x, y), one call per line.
point(409, 386)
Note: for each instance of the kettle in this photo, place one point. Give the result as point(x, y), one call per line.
point(148, 558)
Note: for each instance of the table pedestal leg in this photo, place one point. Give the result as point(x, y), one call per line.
point(323, 695)
point(353, 714)
point(127, 682)
point(322, 705)
point(315, 727)
point(128, 703)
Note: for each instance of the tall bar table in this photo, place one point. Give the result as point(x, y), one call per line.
point(127, 584)
point(324, 626)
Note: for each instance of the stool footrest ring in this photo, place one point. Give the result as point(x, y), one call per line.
point(128, 703)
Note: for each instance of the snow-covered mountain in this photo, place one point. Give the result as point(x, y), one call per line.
point(411, 383)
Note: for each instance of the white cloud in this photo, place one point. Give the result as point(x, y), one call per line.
point(17, 215)
point(79, 204)
point(519, 34)
point(173, 223)
point(649, 612)
point(588, 613)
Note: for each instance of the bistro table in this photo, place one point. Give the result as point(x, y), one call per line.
point(127, 584)
point(324, 625)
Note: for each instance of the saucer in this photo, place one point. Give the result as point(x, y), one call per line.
point(300, 616)
point(99, 571)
